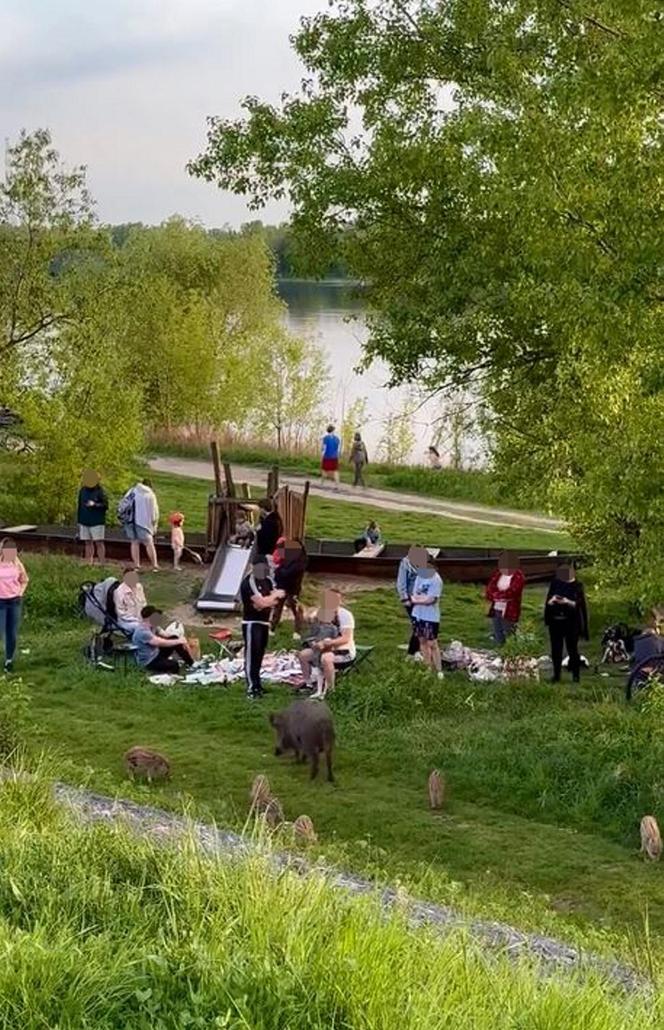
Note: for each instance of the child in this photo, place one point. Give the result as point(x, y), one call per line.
point(244, 533)
point(321, 628)
point(176, 520)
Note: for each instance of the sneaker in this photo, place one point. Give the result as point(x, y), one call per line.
point(9, 666)
point(441, 675)
point(417, 657)
point(402, 647)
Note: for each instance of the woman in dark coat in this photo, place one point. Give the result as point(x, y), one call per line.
point(288, 576)
point(566, 615)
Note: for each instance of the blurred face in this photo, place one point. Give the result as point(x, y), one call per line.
point(90, 478)
point(260, 571)
point(131, 578)
point(418, 558)
point(8, 555)
point(154, 620)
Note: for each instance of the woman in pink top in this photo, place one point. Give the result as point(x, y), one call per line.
point(13, 581)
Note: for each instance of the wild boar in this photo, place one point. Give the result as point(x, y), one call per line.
point(147, 764)
point(436, 790)
point(651, 839)
point(304, 829)
point(306, 728)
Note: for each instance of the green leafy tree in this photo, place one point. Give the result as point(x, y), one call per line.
point(354, 418)
point(505, 191)
point(398, 438)
point(290, 381)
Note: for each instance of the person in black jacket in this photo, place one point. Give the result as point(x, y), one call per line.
point(288, 576)
point(269, 530)
point(91, 516)
point(566, 615)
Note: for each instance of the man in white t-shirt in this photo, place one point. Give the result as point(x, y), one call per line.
point(333, 652)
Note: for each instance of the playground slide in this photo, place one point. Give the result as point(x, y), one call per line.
point(222, 585)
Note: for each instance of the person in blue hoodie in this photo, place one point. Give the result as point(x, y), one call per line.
point(406, 577)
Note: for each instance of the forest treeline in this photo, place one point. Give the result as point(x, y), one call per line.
point(290, 258)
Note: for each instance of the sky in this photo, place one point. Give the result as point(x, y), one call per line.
point(125, 87)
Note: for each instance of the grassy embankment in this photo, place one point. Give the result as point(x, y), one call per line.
point(101, 930)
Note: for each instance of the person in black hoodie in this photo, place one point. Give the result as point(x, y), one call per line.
point(566, 615)
point(288, 576)
point(269, 530)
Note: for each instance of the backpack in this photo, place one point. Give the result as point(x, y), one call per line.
point(127, 508)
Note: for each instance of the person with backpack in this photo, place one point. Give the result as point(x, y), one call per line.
point(91, 518)
point(138, 511)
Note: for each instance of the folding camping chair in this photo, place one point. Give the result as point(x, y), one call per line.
point(361, 655)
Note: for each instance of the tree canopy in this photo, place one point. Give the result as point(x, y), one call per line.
point(501, 167)
point(107, 333)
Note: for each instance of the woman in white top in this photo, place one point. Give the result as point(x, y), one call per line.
point(129, 599)
point(335, 652)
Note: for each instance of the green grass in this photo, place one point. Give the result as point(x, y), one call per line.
point(472, 485)
point(334, 519)
point(545, 786)
point(101, 930)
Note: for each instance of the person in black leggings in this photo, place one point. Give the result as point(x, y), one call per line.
point(566, 615)
point(156, 653)
point(258, 596)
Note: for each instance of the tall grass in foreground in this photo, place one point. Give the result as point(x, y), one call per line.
point(101, 929)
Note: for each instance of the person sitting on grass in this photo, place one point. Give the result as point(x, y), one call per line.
point(157, 653)
point(129, 600)
point(648, 647)
point(425, 599)
point(333, 652)
point(371, 537)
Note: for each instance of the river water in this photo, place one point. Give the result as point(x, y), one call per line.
point(333, 315)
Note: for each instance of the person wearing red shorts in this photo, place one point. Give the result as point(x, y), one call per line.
point(331, 445)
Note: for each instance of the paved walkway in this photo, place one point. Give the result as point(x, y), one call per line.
point(391, 500)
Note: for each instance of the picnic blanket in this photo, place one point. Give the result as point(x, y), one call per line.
point(486, 666)
point(277, 667)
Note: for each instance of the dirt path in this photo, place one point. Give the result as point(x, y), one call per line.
point(387, 499)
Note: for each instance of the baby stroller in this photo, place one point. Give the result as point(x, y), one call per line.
point(96, 602)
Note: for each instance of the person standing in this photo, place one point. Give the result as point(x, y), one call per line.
point(270, 528)
point(13, 584)
point(434, 458)
point(425, 599)
point(331, 445)
point(566, 616)
point(406, 577)
point(139, 513)
point(288, 576)
point(358, 459)
point(91, 517)
point(258, 596)
point(504, 591)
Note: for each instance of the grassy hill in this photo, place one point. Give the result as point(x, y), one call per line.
point(102, 930)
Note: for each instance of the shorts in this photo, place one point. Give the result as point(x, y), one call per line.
point(132, 532)
point(329, 464)
point(91, 532)
point(425, 630)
